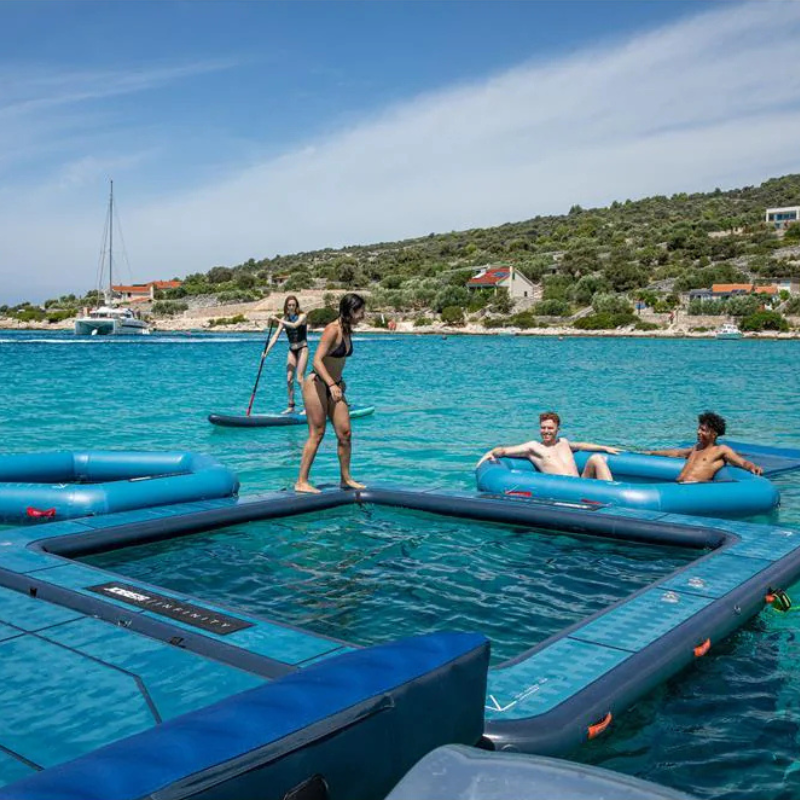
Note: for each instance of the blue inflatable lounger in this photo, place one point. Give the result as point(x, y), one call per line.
point(64, 485)
point(640, 481)
point(550, 697)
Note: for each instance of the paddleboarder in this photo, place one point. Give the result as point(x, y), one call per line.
point(324, 393)
point(296, 326)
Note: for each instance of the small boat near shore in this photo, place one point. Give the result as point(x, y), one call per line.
point(729, 330)
point(109, 319)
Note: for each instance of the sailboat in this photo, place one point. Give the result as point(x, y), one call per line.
point(108, 319)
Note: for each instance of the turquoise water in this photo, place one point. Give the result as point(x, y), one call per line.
point(727, 727)
point(370, 574)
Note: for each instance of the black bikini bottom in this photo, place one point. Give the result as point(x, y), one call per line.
point(341, 384)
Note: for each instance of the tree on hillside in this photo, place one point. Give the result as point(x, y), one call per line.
point(219, 275)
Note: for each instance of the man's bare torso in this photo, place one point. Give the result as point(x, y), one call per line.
point(554, 460)
point(702, 465)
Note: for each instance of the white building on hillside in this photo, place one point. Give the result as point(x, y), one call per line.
point(510, 278)
point(783, 217)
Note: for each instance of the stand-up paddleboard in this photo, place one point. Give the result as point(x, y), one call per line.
point(275, 420)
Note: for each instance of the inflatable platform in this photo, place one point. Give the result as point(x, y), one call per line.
point(548, 700)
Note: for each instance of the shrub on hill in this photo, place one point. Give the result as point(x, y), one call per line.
point(525, 319)
point(241, 296)
point(792, 234)
point(611, 304)
point(168, 308)
point(792, 305)
point(451, 297)
point(745, 305)
point(221, 321)
point(60, 314)
point(552, 308)
point(707, 308)
point(764, 321)
point(299, 281)
point(320, 317)
point(500, 302)
point(453, 315)
point(604, 321)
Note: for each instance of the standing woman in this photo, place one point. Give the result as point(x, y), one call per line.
point(323, 393)
point(296, 327)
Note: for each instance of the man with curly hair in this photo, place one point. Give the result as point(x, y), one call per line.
point(707, 458)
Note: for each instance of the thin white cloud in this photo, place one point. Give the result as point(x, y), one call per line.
point(708, 101)
point(26, 90)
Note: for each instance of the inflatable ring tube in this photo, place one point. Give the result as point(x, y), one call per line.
point(64, 485)
point(640, 481)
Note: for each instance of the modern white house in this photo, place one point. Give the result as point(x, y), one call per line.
point(519, 287)
point(782, 217)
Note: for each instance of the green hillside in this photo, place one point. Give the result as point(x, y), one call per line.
point(652, 249)
point(648, 250)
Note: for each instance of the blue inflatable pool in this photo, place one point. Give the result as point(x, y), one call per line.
point(644, 482)
point(78, 484)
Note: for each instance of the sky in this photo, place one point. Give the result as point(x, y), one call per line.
point(236, 130)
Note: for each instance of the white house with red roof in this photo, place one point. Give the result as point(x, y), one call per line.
point(519, 287)
point(140, 292)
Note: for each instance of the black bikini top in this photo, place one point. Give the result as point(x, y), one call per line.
point(342, 350)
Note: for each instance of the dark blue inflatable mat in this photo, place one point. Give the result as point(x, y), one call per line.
point(773, 460)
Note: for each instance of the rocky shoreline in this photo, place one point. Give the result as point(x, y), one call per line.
point(404, 327)
point(201, 318)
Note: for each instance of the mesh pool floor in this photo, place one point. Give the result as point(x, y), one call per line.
point(370, 574)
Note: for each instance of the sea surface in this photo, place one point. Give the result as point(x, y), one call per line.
point(728, 727)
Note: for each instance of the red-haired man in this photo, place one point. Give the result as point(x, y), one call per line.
point(553, 454)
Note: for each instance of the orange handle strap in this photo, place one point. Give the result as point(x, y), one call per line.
point(702, 649)
point(599, 727)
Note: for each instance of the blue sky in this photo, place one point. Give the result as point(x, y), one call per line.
point(245, 129)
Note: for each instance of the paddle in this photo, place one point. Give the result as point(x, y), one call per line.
point(260, 367)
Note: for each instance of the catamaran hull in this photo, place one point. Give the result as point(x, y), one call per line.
point(108, 327)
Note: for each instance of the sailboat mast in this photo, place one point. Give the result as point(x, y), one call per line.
point(111, 244)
